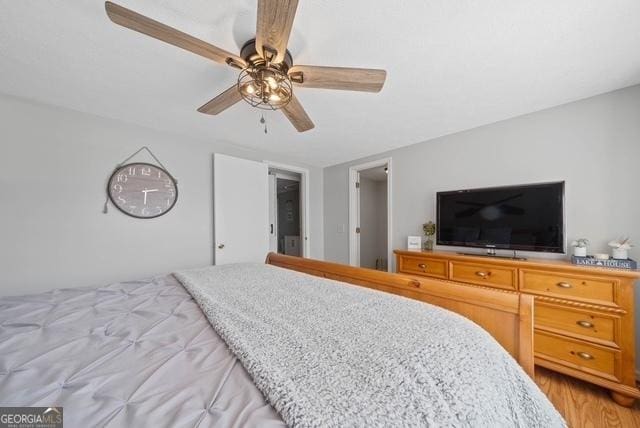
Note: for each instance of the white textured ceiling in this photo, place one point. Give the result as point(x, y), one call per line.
point(452, 65)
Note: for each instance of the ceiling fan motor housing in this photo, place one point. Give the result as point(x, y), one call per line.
point(250, 54)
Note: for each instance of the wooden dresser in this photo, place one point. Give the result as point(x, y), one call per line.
point(583, 316)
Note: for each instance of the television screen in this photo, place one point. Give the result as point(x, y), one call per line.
point(527, 217)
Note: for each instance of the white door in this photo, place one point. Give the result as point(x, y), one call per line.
point(273, 214)
point(240, 210)
point(357, 231)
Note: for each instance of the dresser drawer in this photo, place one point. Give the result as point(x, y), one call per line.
point(577, 354)
point(568, 286)
point(588, 325)
point(423, 266)
point(484, 274)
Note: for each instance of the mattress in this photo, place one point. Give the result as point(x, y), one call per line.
point(129, 354)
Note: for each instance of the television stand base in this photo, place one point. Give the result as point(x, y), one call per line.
point(492, 253)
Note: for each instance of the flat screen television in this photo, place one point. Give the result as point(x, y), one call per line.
point(526, 217)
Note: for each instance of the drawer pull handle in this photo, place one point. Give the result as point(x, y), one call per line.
point(415, 283)
point(585, 356)
point(564, 285)
point(422, 266)
point(483, 275)
point(585, 324)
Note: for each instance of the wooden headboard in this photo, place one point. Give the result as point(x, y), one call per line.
point(506, 315)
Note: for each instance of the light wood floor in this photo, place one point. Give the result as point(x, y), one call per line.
point(583, 404)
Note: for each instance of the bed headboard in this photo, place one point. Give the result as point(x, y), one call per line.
point(506, 315)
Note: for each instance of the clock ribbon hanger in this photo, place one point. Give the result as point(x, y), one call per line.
point(119, 165)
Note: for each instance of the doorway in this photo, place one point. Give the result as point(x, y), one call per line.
point(370, 215)
point(287, 211)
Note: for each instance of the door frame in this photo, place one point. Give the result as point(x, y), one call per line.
point(273, 209)
point(304, 201)
point(354, 211)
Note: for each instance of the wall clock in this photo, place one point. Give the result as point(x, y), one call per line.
point(142, 190)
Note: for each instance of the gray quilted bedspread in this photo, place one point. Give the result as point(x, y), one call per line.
point(325, 353)
point(135, 354)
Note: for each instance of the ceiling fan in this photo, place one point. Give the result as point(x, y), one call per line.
point(267, 73)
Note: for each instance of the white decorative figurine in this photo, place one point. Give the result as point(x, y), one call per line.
point(620, 248)
point(580, 247)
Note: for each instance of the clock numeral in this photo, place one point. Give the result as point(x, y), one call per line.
point(159, 210)
point(145, 171)
point(168, 202)
point(122, 178)
point(132, 170)
point(132, 208)
point(117, 188)
point(122, 200)
point(145, 211)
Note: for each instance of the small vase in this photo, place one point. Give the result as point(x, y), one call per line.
point(427, 244)
point(580, 251)
point(620, 253)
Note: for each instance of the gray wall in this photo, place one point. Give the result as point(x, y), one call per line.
point(593, 144)
point(53, 170)
point(382, 222)
point(373, 221)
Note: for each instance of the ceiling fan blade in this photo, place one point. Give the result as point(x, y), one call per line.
point(222, 101)
point(297, 116)
point(140, 23)
point(344, 78)
point(275, 19)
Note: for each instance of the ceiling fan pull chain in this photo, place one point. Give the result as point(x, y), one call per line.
point(264, 122)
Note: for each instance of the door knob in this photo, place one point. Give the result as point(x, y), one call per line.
point(221, 246)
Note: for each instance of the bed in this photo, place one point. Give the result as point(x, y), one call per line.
point(220, 346)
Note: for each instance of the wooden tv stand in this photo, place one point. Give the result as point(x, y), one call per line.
point(583, 316)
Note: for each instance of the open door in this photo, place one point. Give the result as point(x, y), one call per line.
point(240, 210)
point(356, 236)
point(273, 214)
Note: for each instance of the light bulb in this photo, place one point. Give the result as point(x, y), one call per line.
point(274, 97)
point(250, 89)
point(272, 82)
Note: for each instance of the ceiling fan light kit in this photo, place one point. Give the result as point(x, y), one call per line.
point(267, 74)
point(264, 84)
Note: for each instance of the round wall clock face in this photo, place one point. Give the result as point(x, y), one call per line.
point(142, 190)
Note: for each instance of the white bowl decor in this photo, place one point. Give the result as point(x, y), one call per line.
point(580, 247)
point(620, 248)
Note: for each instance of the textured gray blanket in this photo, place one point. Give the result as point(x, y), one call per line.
point(325, 353)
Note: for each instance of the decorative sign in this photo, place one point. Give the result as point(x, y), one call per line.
point(610, 263)
point(414, 243)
